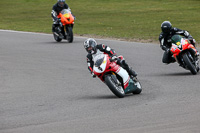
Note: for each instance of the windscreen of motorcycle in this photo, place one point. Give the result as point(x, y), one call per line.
point(65, 13)
point(177, 41)
point(99, 63)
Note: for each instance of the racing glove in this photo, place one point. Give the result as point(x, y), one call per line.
point(186, 34)
point(113, 58)
point(93, 75)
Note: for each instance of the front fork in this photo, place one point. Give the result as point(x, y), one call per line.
point(195, 53)
point(116, 80)
point(65, 30)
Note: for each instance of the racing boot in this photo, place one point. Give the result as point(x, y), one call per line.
point(131, 72)
point(128, 69)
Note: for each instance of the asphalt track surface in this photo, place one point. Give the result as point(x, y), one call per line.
point(45, 87)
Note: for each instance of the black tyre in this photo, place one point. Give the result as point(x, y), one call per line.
point(197, 65)
point(56, 37)
point(139, 86)
point(189, 64)
point(198, 69)
point(70, 37)
point(114, 87)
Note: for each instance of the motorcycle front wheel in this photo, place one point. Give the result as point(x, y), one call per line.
point(70, 36)
point(117, 89)
point(189, 64)
point(57, 37)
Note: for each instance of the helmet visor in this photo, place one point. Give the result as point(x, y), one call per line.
point(89, 49)
point(166, 29)
point(61, 4)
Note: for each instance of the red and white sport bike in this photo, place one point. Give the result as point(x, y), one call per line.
point(185, 53)
point(115, 77)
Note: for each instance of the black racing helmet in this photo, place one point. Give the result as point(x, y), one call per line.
point(90, 45)
point(61, 3)
point(166, 27)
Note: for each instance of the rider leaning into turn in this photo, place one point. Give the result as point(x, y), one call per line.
point(93, 48)
point(165, 40)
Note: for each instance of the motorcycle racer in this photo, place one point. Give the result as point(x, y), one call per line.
point(93, 49)
point(57, 8)
point(165, 40)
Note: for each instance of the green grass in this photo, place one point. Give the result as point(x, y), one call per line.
point(128, 19)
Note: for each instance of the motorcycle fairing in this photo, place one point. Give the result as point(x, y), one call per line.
point(66, 17)
point(175, 50)
point(131, 87)
point(180, 46)
point(102, 67)
point(124, 75)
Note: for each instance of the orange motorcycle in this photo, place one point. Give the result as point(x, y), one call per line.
point(64, 30)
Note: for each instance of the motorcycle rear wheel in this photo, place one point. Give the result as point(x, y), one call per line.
point(139, 86)
point(116, 89)
point(189, 64)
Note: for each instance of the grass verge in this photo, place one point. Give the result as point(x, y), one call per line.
point(126, 19)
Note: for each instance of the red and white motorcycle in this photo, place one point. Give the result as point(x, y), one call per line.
point(115, 77)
